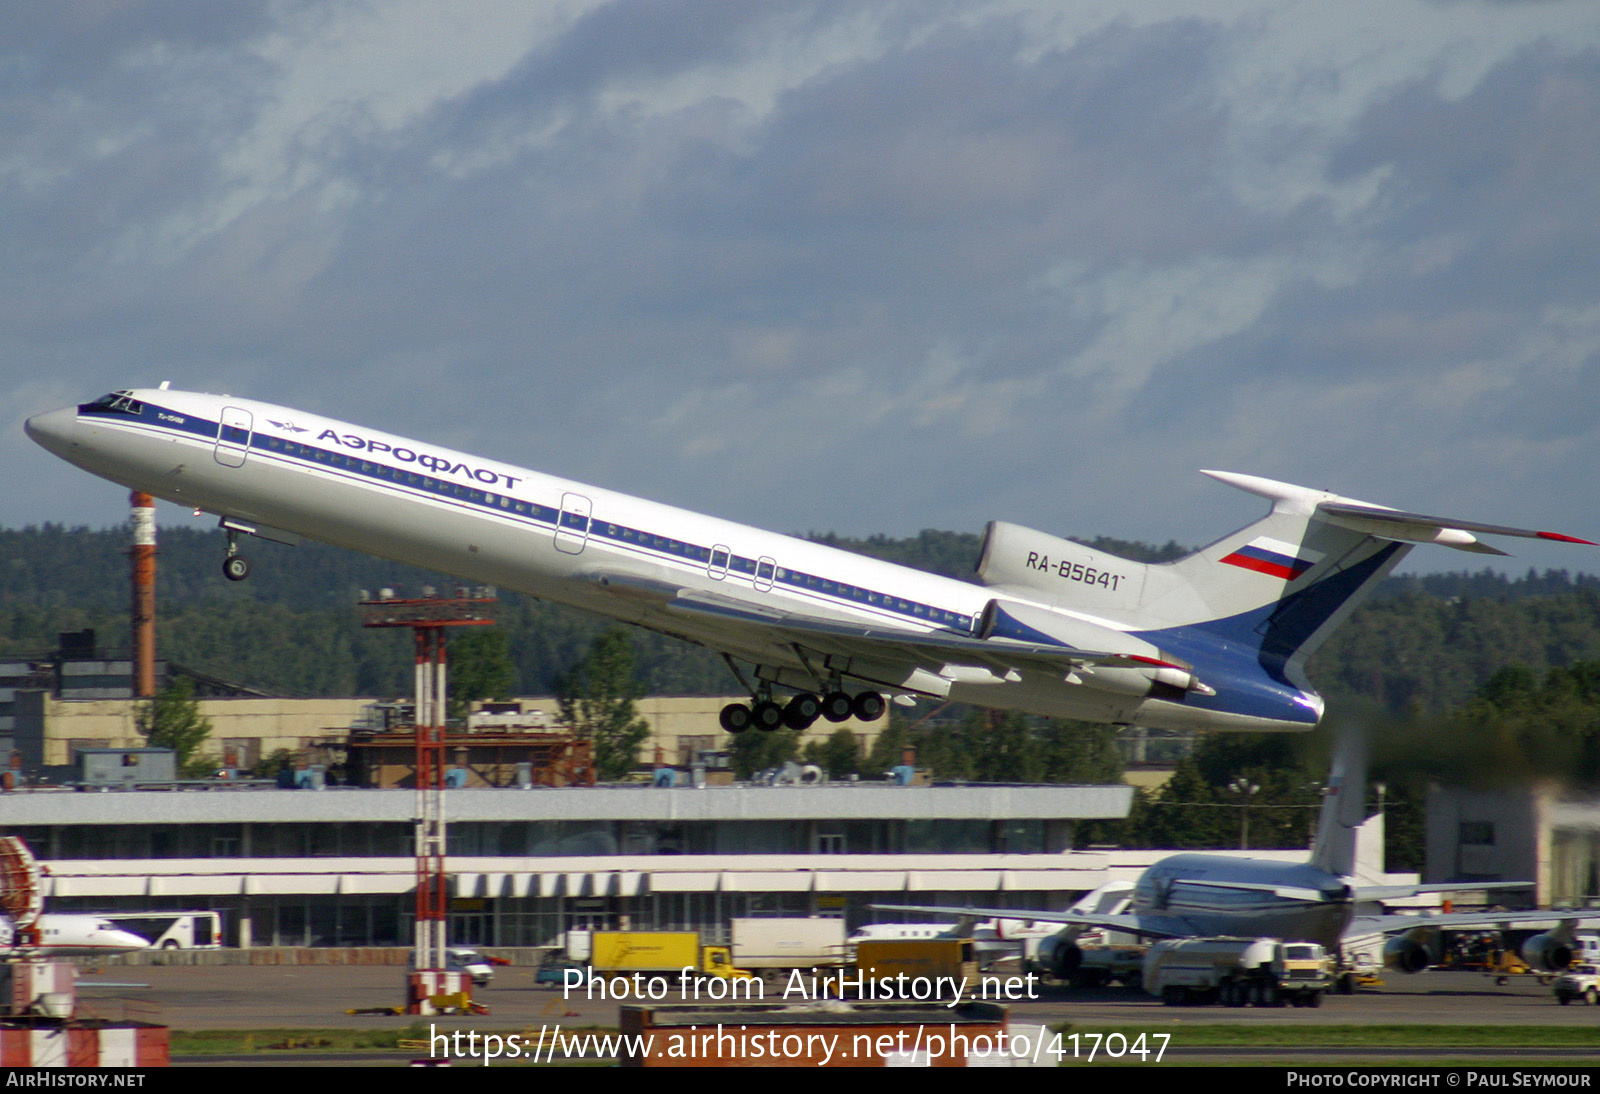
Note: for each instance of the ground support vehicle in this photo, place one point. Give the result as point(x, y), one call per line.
point(1578, 982)
point(660, 952)
point(937, 960)
point(1100, 966)
point(464, 959)
point(773, 948)
point(1238, 972)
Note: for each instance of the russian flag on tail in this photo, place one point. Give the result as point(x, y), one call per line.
point(1274, 558)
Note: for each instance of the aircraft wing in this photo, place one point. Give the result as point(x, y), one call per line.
point(1400, 892)
point(1147, 926)
point(925, 649)
point(1397, 924)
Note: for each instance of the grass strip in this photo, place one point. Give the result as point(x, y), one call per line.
point(233, 1042)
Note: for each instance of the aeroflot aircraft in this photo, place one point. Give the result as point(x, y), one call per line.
point(1217, 640)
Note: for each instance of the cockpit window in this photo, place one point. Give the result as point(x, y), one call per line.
point(118, 402)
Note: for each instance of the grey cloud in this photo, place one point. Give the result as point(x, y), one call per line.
point(951, 274)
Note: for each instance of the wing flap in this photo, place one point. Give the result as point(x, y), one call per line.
point(921, 646)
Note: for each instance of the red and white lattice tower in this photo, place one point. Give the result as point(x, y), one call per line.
point(428, 617)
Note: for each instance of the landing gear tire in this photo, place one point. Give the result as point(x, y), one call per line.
point(735, 718)
point(836, 706)
point(867, 707)
point(802, 711)
point(767, 715)
point(235, 567)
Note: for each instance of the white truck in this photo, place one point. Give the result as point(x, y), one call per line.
point(1580, 981)
point(771, 948)
point(1238, 972)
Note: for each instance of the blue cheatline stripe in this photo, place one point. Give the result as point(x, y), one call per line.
point(634, 540)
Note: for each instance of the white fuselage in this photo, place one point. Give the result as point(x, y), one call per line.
point(271, 468)
point(78, 936)
point(1245, 898)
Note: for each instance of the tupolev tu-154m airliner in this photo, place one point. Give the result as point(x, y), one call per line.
point(1217, 640)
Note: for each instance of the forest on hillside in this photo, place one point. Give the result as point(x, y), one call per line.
point(1467, 676)
point(1423, 645)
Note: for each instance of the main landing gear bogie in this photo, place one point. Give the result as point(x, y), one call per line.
point(801, 711)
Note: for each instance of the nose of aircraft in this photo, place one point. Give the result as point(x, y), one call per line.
point(54, 429)
point(129, 940)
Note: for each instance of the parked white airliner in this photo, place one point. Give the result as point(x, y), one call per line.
point(1319, 900)
point(71, 936)
point(1217, 640)
point(993, 937)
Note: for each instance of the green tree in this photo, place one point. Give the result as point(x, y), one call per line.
point(1180, 813)
point(596, 700)
point(756, 750)
point(839, 755)
point(1079, 752)
point(888, 751)
point(1004, 749)
point(480, 668)
point(173, 720)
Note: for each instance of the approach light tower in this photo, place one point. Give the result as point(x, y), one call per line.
point(428, 617)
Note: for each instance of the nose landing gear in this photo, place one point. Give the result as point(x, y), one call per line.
point(235, 567)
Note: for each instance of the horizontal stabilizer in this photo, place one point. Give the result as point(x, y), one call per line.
point(1421, 528)
point(1284, 892)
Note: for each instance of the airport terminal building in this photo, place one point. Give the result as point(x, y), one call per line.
point(333, 867)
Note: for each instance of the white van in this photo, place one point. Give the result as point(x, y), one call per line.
point(470, 961)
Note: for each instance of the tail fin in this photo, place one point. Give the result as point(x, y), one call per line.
point(1270, 593)
point(1344, 805)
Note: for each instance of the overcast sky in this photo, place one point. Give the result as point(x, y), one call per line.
point(868, 267)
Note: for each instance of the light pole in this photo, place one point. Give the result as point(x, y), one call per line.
point(1246, 790)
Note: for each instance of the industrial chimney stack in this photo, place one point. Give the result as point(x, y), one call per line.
point(144, 595)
